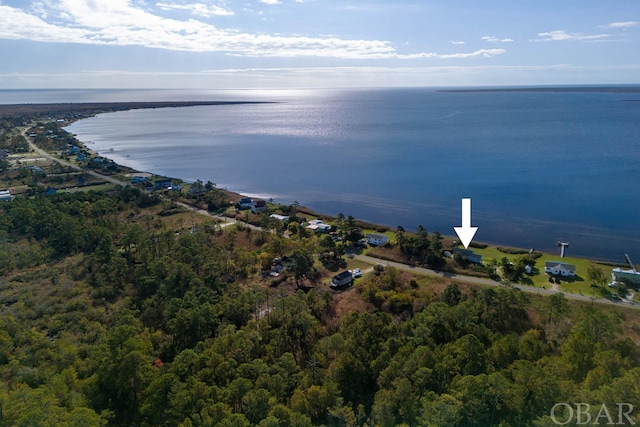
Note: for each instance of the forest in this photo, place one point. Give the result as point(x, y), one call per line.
point(113, 313)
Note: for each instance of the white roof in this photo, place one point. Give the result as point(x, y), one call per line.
point(280, 217)
point(376, 236)
point(319, 226)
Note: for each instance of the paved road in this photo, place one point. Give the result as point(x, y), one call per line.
point(368, 259)
point(63, 162)
point(482, 281)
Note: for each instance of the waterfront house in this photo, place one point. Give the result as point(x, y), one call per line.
point(258, 206)
point(469, 255)
point(162, 183)
point(557, 268)
point(138, 179)
point(318, 226)
point(631, 277)
point(245, 203)
point(282, 218)
point(340, 280)
point(377, 239)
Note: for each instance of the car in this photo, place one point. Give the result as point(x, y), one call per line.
point(614, 295)
point(356, 272)
point(612, 284)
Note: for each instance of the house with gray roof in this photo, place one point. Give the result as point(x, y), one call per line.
point(341, 280)
point(469, 255)
point(558, 268)
point(375, 239)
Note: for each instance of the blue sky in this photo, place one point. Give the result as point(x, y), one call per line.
point(225, 44)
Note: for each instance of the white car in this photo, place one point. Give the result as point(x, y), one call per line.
point(356, 272)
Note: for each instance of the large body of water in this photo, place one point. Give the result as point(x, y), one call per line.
point(538, 165)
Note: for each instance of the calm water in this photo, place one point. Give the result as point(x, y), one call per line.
point(538, 166)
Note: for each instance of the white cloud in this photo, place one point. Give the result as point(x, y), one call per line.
point(456, 42)
point(15, 24)
point(496, 40)
point(270, 1)
point(119, 22)
point(485, 53)
point(627, 24)
point(198, 9)
point(560, 35)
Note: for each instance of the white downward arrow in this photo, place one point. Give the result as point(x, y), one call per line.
point(466, 232)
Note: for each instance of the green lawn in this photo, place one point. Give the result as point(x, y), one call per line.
point(580, 285)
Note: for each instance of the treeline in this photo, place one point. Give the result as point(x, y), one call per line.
point(421, 247)
point(116, 318)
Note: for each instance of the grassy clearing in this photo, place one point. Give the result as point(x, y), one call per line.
point(580, 285)
point(390, 234)
point(100, 188)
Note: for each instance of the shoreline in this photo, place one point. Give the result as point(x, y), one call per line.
point(15, 111)
point(78, 111)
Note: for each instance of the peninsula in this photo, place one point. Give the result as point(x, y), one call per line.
point(80, 110)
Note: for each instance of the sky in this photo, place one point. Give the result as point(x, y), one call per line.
point(249, 44)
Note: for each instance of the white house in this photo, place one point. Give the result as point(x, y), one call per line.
point(282, 218)
point(318, 226)
point(5, 195)
point(558, 268)
point(377, 239)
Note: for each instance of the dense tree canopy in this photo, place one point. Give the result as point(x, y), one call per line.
point(110, 317)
